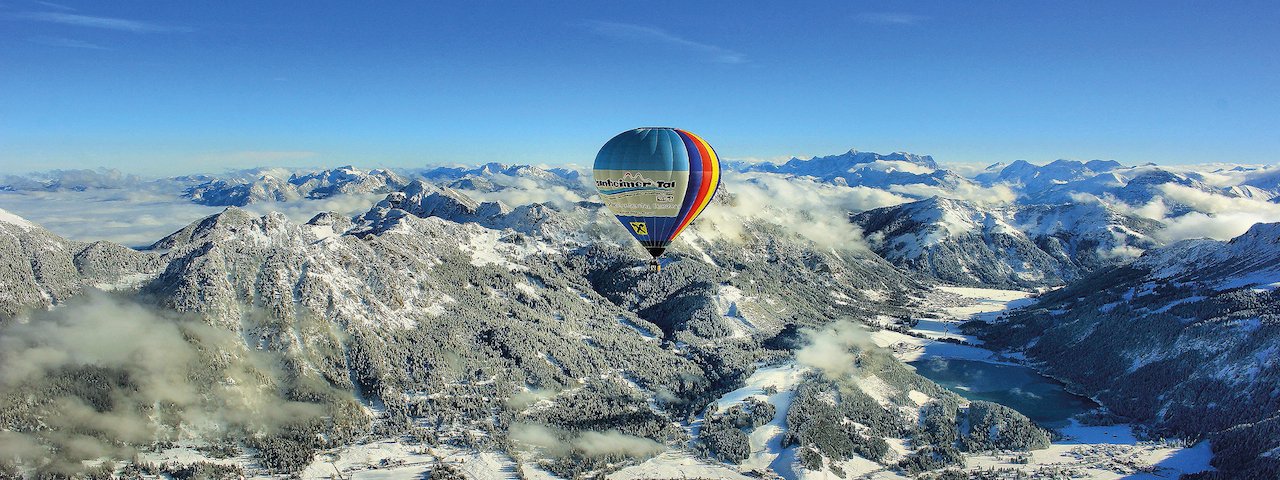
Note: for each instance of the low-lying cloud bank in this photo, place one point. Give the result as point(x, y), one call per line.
point(817, 211)
point(1211, 215)
point(104, 375)
point(139, 217)
point(561, 443)
point(833, 348)
point(1215, 216)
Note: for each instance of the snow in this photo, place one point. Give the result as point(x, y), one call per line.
point(958, 305)
point(437, 309)
point(766, 440)
point(876, 388)
point(985, 302)
point(393, 459)
point(483, 248)
point(727, 300)
point(919, 397)
point(527, 288)
point(12, 219)
point(1266, 288)
point(186, 453)
point(676, 464)
point(1262, 281)
point(126, 282)
point(907, 348)
point(1104, 452)
point(644, 333)
point(1108, 452)
point(323, 232)
point(939, 329)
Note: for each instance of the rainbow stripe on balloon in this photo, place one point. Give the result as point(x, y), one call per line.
point(657, 181)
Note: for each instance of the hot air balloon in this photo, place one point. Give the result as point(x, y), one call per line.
point(656, 181)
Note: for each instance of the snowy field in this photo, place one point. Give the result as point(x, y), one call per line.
point(956, 306)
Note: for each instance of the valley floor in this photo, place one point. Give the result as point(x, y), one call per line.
point(1103, 452)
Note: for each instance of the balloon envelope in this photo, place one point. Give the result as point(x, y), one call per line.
point(656, 181)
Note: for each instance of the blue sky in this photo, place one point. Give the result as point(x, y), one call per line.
point(175, 87)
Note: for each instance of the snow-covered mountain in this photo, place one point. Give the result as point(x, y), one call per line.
point(77, 180)
point(865, 168)
point(1031, 177)
point(1013, 245)
point(497, 176)
point(41, 269)
point(837, 164)
point(429, 308)
point(1064, 181)
point(272, 188)
point(1185, 337)
point(470, 310)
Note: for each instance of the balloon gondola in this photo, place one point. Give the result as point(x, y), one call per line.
point(656, 181)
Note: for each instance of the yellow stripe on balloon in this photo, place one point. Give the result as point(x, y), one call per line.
point(715, 180)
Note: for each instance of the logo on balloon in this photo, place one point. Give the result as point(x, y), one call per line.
point(640, 228)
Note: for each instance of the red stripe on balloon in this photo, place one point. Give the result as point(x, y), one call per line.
point(703, 189)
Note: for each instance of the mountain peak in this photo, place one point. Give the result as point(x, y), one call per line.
point(1260, 234)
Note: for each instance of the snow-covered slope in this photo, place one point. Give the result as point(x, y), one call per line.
point(1014, 245)
point(439, 312)
point(1186, 337)
point(38, 268)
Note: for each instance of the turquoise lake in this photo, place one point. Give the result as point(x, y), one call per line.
point(1040, 398)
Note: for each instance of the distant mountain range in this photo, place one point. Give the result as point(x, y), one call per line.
point(446, 314)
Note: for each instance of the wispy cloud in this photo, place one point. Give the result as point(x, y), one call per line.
point(57, 6)
point(67, 43)
point(108, 23)
point(890, 18)
point(641, 33)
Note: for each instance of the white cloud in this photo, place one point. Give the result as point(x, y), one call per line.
point(640, 33)
point(524, 191)
point(107, 23)
point(132, 217)
point(994, 195)
point(832, 349)
point(161, 353)
point(890, 18)
point(965, 169)
point(613, 442)
point(777, 159)
point(558, 443)
point(141, 215)
point(815, 210)
point(1215, 216)
point(300, 211)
